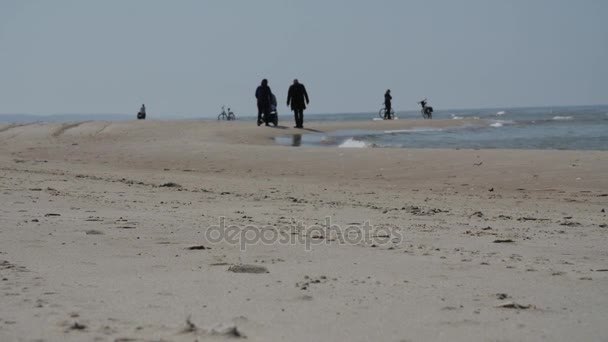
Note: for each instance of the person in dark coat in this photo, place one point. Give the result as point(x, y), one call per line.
point(298, 98)
point(141, 115)
point(387, 105)
point(264, 96)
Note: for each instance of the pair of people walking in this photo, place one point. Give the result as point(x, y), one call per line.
point(297, 98)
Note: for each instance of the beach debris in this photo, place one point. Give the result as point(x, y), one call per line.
point(570, 224)
point(35, 189)
point(491, 190)
point(476, 214)
point(478, 164)
point(487, 228)
point(505, 217)
point(77, 326)
point(253, 269)
point(190, 327)
point(451, 308)
point(502, 296)
point(414, 210)
point(514, 305)
point(227, 329)
point(603, 225)
point(93, 219)
point(503, 241)
point(603, 210)
point(198, 248)
point(602, 270)
point(5, 265)
point(93, 232)
point(528, 218)
point(51, 214)
point(308, 281)
point(170, 185)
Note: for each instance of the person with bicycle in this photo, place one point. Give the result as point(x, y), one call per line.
point(387, 105)
point(427, 111)
point(264, 96)
point(141, 115)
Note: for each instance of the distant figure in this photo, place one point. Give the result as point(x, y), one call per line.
point(427, 111)
point(387, 105)
point(142, 112)
point(264, 96)
point(296, 96)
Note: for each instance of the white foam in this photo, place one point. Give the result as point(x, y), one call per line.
point(502, 112)
point(562, 118)
point(456, 117)
point(413, 130)
point(381, 119)
point(500, 123)
point(352, 143)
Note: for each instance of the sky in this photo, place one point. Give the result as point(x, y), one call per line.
point(187, 58)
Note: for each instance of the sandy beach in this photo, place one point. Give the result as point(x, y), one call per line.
point(202, 230)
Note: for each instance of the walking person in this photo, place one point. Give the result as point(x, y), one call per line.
point(388, 105)
point(264, 96)
point(298, 98)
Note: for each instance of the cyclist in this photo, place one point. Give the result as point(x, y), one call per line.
point(142, 112)
point(387, 105)
point(426, 110)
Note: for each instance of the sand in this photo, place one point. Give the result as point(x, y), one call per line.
point(106, 235)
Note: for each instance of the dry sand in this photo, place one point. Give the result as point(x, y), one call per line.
point(466, 245)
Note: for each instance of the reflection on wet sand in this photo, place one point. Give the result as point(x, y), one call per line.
point(296, 140)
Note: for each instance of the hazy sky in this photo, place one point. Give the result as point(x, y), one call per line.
point(187, 58)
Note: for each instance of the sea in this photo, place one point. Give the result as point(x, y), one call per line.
point(544, 128)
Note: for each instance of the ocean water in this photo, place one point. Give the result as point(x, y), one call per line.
point(563, 128)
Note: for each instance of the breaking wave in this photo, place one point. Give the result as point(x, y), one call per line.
point(352, 143)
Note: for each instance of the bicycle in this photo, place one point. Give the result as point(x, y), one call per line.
point(426, 111)
point(226, 115)
point(382, 113)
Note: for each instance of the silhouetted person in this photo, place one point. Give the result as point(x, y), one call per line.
point(142, 112)
point(264, 96)
point(423, 103)
point(298, 97)
point(387, 105)
point(427, 111)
